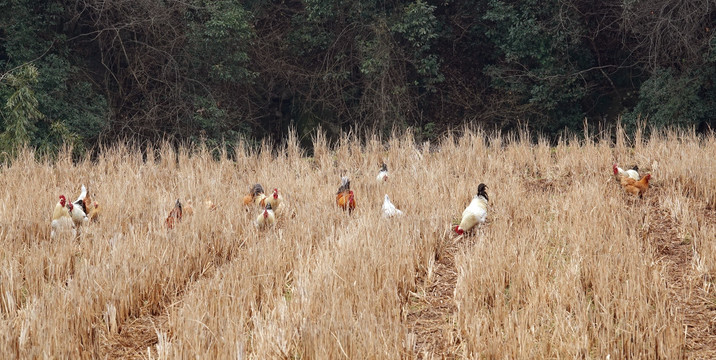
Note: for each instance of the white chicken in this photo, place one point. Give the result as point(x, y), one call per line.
point(475, 213)
point(79, 209)
point(382, 174)
point(79, 217)
point(619, 173)
point(266, 218)
point(61, 220)
point(389, 210)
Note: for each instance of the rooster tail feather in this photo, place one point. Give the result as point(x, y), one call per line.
point(257, 189)
point(83, 194)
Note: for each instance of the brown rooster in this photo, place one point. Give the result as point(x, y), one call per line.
point(174, 215)
point(94, 212)
point(345, 198)
point(93, 208)
point(635, 187)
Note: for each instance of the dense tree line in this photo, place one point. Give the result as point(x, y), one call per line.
point(90, 72)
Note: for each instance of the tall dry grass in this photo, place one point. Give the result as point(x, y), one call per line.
point(564, 267)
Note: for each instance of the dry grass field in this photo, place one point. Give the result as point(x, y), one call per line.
point(567, 265)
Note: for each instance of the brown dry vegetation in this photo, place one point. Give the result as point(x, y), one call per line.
point(567, 266)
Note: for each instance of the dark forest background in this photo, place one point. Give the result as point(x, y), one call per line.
point(92, 72)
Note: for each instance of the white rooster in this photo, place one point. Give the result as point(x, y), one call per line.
point(275, 199)
point(79, 209)
point(619, 173)
point(61, 220)
point(266, 218)
point(389, 210)
point(475, 213)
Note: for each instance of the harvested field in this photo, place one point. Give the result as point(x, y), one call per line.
point(567, 265)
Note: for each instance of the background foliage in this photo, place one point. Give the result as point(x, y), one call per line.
point(92, 72)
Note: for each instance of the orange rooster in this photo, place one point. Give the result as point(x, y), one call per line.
point(174, 215)
point(93, 208)
point(88, 201)
point(635, 187)
point(94, 212)
point(345, 198)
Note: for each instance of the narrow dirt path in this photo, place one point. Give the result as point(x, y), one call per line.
point(692, 294)
point(432, 309)
point(137, 336)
